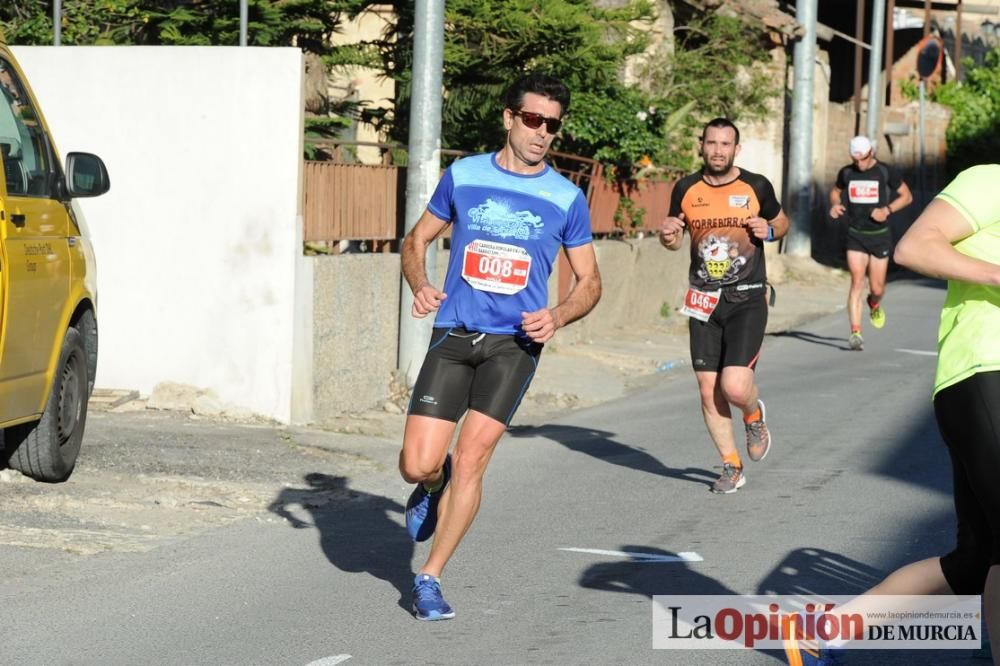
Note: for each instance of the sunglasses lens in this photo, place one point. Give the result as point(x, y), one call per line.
point(535, 120)
point(532, 120)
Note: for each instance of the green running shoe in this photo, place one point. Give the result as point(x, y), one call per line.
point(877, 316)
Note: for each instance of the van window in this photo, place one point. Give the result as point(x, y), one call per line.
point(23, 145)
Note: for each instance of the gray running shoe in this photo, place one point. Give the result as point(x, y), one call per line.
point(856, 342)
point(758, 436)
point(732, 479)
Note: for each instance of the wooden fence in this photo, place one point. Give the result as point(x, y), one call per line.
point(353, 201)
point(346, 200)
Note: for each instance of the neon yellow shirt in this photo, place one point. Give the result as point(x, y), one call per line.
point(969, 334)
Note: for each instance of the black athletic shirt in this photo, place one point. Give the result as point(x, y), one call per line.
point(864, 191)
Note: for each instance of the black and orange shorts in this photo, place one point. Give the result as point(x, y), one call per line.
point(733, 335)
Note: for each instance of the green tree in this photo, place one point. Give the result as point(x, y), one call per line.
point(94, 22)
point(973, 132)
point(718, 66)
point(489, 43)
point(308, 24)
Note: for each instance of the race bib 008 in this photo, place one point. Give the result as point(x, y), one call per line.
point(496, 267)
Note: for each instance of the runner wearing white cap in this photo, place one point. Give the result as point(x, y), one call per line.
point(868, 192)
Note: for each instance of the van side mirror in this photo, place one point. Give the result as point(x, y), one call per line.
point(86, 175)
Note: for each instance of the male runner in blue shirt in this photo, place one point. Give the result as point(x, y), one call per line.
point(510, 214)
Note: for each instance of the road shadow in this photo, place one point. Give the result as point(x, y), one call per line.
point(357, 533)
point(812, 338)
point(601, 445)
point(815, 574)
point(919, 456)
point(640, 575)
point(644, 576)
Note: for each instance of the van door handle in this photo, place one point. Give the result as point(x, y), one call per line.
point(17, 219)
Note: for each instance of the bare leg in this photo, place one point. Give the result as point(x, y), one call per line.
point(738, 388)
point(918, 578)
point(715, 409)
point(857, 262)
point(425, 445)
point(460, 502)
point(923, 577)
point(877, 270)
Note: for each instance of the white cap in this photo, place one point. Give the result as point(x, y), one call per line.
point(861, 145)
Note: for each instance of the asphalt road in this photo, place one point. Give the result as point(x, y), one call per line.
point(857, 484)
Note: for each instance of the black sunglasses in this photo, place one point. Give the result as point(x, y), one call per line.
point(535, 120)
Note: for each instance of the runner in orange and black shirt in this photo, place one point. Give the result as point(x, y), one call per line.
point(729, 213)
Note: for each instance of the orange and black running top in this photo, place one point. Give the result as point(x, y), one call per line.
point(723, 252)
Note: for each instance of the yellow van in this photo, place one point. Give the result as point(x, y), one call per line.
point(48, 287)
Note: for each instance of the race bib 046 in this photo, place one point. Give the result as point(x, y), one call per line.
point(700, 304)
point(496, 267)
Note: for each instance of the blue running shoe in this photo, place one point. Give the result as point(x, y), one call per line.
point(428, 604)
point(421, 508)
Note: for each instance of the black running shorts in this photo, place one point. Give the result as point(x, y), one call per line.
point(877, 245)
point(465, 370)
point(734, 333)
point(967, 417)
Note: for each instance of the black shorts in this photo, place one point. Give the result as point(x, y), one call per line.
point(967, 418)
point(733, 335)
point(465, 370)
point(876, 244)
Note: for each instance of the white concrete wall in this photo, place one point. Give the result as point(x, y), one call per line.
point(199, 242)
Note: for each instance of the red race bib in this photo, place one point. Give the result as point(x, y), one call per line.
point(496, 267)
point(863, 191)
point(700, 304)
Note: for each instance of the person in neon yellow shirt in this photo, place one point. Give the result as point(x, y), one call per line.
point(957, 238)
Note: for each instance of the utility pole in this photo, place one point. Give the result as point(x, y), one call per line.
point(423, 168)
point(875, 71)
point(244, 19)
point(57, 23)
point(800, 177)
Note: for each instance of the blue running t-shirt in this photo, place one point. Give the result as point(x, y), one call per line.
point(507, 229)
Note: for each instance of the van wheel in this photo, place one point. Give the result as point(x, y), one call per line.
point(46, 449)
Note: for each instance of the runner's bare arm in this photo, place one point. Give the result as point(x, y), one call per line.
point(413, 253)
point(836, 208)
point(927, 247)
point(899, 203)
point(672, 232)
point(541, 325)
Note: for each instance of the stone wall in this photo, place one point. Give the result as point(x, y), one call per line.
point(355, 331)
point(356, 315)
